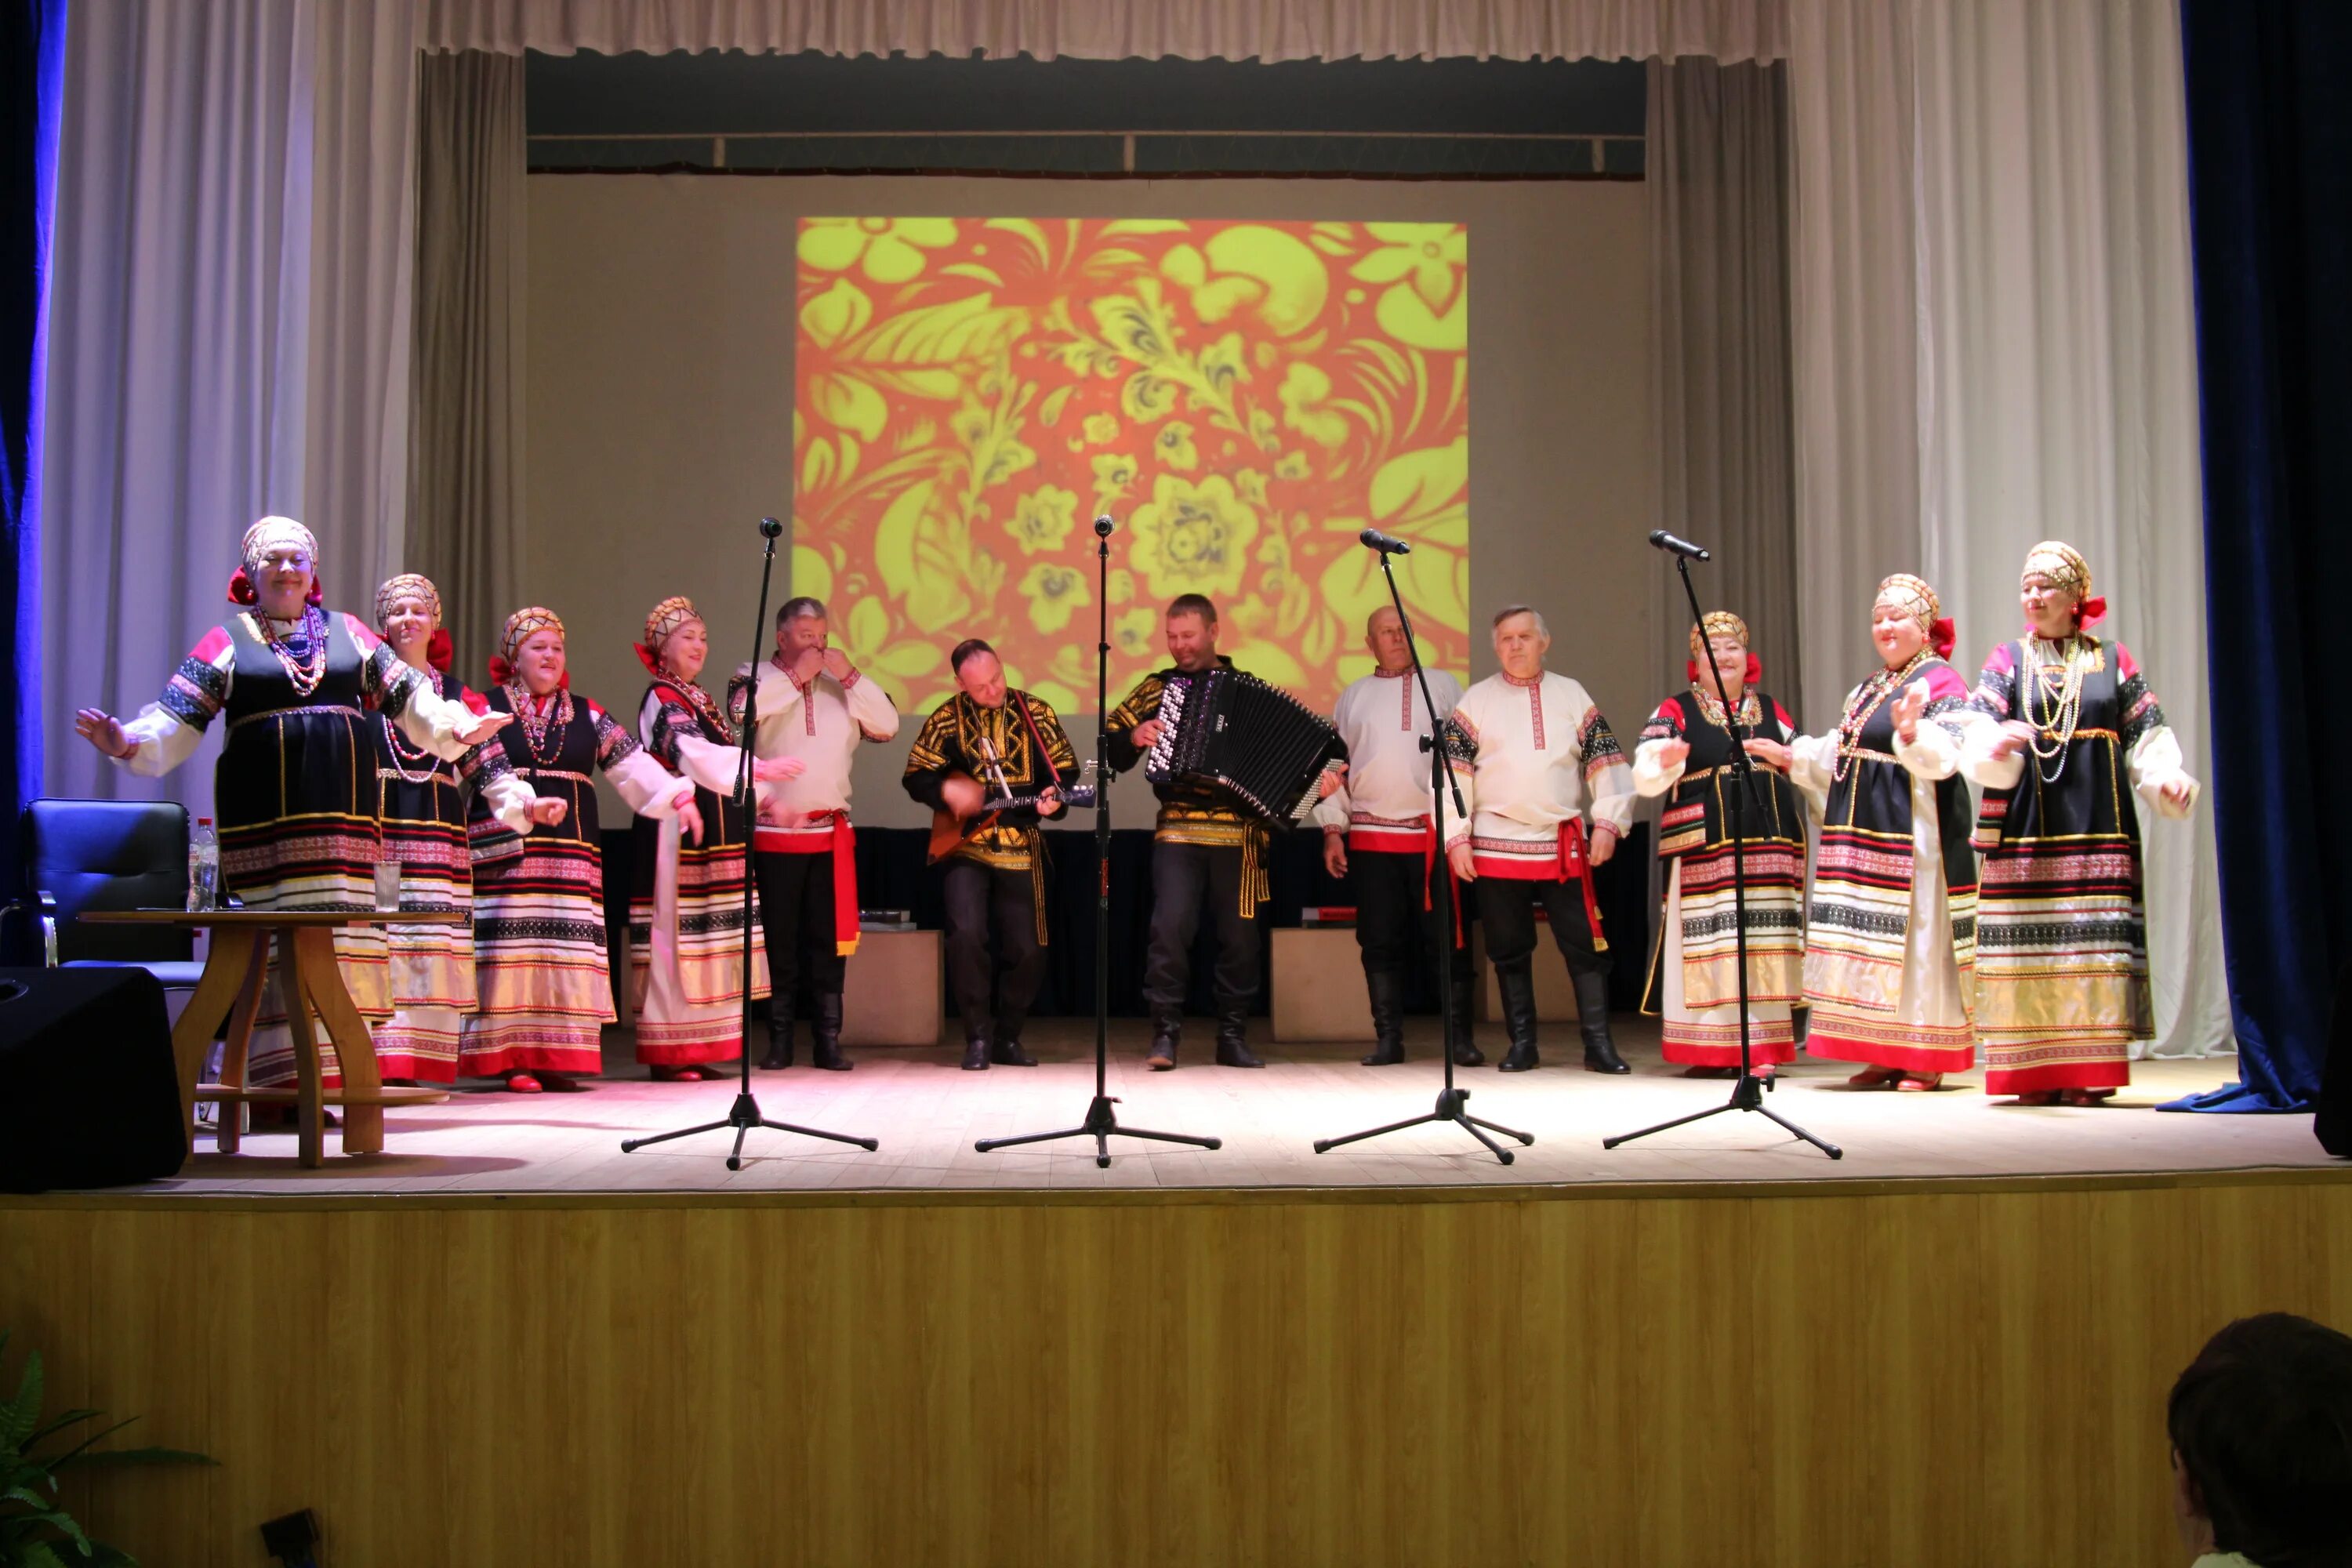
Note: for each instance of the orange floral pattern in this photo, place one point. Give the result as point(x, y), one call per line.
point(1243, 398)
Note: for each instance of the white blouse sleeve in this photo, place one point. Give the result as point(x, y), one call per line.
point(163, 743)
point(510, 799)
point(2155, 762)
point(648, 788)
point(1812, 764)
point(870, 706)
point(1977, 759)
point(1651, 776)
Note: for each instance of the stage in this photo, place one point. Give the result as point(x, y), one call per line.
point(503, 1340)
point(927, 1113)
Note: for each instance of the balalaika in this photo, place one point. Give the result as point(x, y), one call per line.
point(1221, 726)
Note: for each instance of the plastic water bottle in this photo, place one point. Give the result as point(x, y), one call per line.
point(203, 866)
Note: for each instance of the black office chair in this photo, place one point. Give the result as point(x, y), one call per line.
point(104, 855)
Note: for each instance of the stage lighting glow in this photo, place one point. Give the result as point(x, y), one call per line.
point(1243, 397)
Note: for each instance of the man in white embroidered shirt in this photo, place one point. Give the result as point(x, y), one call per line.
point(1379, 833)
point(813, 705)
point(1545, 757)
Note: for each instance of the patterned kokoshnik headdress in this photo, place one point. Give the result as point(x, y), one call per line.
point(662, 622)
point(1718, 623)
point(1915, 597)
point(270, 534)
point(414, 586)
point(2063, 566)
point(518, 628)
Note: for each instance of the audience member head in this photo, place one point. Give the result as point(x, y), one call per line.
point(2261, 1424)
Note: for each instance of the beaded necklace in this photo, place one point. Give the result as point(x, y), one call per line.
point(1866, 700)
point(305, 673)
point(1751, 709)
point(702, 702)
point(399, 750)
point(537, 726)
point(2059, 686)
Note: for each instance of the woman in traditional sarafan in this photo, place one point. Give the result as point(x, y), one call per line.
point(2062, 939)
point(1890, 936)
point(1686, 753)
point(424, 808)
point(540, 967)
point(685, 913)
point(295, 788)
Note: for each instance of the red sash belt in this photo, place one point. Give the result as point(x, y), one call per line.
point(843, 844)
point(1568, 863)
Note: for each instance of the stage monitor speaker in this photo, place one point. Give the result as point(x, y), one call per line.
point(88, 1094)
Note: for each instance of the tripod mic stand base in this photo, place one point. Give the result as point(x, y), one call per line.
point(1449, 1109)
point(1101, 1125)
point(1747, 1094)
point(744, 1116)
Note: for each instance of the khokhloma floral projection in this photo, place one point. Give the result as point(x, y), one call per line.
point(1243, 398)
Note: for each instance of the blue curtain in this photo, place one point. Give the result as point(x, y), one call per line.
point(2270, 138)
point(32, 69)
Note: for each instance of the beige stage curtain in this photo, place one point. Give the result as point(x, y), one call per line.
point(1115, 29)
point(466, 473)
point(1717, 183)
point(1994, 346)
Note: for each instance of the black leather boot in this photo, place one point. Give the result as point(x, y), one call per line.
point(780, 1039)
point(825, 1029)
point(1233, 1040)
point(975, 1051)
point(1592, 1023)
point(1006, 1049)
point(1461, 1033)
point(1165, 1034)
point(1387, 989)
point(1519, 1018)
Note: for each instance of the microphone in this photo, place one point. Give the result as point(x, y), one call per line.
point(770, 529)
point(1103, 526)
point(1373, 539)
point(1673, 546)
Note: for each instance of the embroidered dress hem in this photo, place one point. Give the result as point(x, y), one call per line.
point(1841, 1036)
point(2101, 1072)
point(493, 1047)
point(420, 1042)
point(1692, 1043)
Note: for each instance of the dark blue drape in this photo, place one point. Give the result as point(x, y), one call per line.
point(2270, 140)
point(32, 69)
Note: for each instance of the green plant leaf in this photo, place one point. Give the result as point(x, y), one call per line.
point(61, 1460)
point(22, 1414)
point(59, 1423)
point(137, 1456)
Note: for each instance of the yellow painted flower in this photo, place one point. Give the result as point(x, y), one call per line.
point(890, 249)
point(1250, 485)
point(1101, 427)
point(1175, 446)
point(1429, 254)
point(1114, 472)
point(1122, 585)
point(1425, 304)
point(1193, 539)
point(1043, 519)
point(1054, 593)
point(1302, 390)
point(1293, 465)
point(1133, 632)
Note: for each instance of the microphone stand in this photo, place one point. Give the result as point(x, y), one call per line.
point(1747, 1094)
point(744, 1114)
point(1102, 1122)
point(1440, 780)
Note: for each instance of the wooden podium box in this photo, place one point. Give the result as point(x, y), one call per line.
point(1317, 986)
point(893, 993)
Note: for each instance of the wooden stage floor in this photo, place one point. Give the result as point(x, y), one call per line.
point(927, 1113)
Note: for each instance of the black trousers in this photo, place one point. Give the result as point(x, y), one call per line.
point(796, 917)
point(1388, 889)
point(995, 979)
point(1186, 878)
point(1507, 906)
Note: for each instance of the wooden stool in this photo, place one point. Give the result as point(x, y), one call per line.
point(231, 986)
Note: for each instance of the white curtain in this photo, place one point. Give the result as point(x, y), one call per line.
point(2029, 374)
point(1716, 176)
point(178, 345)
point(1114, 29)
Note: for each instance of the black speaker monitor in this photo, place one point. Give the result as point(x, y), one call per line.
point(88, 1094)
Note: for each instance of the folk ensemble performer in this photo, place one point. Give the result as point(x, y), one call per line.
point(1208, 851)
point(1545, 758)
point(990, 735)
point(814, 708)
point(1379, 833)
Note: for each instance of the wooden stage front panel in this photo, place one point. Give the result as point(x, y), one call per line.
point(1805, 1373)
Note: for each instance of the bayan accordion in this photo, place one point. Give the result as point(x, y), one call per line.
point(1222, 727)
